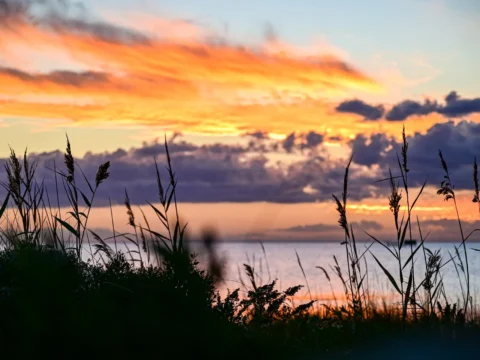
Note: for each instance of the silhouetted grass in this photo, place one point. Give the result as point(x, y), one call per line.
point(156, 301)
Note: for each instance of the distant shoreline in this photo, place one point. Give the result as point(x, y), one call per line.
point(236, 241)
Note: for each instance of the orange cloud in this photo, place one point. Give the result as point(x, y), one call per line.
point(189, 81)
point(189, 85)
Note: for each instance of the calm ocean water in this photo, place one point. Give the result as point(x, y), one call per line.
point(283, 265)
point(279, 261)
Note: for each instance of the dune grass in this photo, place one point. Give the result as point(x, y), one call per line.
point(155, 299)
point(421, 295)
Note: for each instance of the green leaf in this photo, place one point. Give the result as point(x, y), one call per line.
point(172, 192)
point(182, 235)
point(175, 235)
point(361, 281)
point(404, 234)
point(410, 258)
point(418, 195)
point(67, 226)
point(390, 277)
point(4, 205)
point(381, 243)
point(74, 215)
point(407, 292)
point(86, 199)
point(86, 180)
point(158, 212)
point(162, 217)
point(102, 246)
point(159, 236)
point(131, 240)
point(96, 236)
point(436, 290)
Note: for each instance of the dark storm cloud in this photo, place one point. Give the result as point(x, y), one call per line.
point(300, 141)
point(457, 107)
point(221, 173)
point(77, 79)
point(293, 142)
point(368, 225)
point(372, 150)
point(208, 173)
point(325, 177)
point(100, 30)
point(454, 107)
point(157, 148)
point(65, 16)
point(259, 135)
point(313, 139)
point(289, 142)
point(449, 223)
point(409, 108)
point(312, 228)
point(458, 143)
point(320, 227)
point(359, 107)
point(12, 10)
point(449, 230)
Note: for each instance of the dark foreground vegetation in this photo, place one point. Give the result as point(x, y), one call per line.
point(155, 301)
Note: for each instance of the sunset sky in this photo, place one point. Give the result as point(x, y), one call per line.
point(262, 102)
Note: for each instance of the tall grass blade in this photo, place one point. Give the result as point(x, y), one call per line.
point(68, 227)
point(4, 205)
point(390, 277)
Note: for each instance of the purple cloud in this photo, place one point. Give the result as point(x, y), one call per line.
point(359, 107)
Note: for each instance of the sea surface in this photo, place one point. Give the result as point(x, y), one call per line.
point(283, 265)
point(278, 261)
